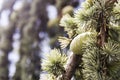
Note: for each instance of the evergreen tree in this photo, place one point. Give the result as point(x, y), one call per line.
point(94, 42)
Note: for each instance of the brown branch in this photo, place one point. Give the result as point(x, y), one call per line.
point(109, 2)
point(102, 25)
point(73, 63)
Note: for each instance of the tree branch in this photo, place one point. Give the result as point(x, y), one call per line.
point(73, 63)
point(108, 2)
point(75, 60)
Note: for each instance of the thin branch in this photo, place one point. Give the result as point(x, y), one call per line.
point(73, 63)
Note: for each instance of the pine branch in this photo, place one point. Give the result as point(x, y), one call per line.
point(54, 63)
point(71, 67)
point(103, 31)
point(102, 38)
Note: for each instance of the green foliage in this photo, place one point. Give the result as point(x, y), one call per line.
point(91, 62)
point(96, 59)
point(114, 25)
point(64, 42)
point(69, 25)
point(116, 9)
point(54, 62)
point(112, 51)
point(99, 61)
point(112, 47)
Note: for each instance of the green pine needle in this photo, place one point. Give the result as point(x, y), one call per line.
point(64, 42)
point(54, 62)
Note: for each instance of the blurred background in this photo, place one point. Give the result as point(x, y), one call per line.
point(29, 29)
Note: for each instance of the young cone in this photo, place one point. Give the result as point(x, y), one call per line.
point(78, 42)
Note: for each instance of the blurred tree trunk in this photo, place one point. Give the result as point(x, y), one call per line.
point(4, 66)
point(6, 42)
point(23, 19)
point(6, 47)
point(32, 22)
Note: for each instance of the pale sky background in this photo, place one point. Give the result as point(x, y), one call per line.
point(3, 18)
point(1, 1)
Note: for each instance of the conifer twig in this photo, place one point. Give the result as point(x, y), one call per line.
point(73, 63)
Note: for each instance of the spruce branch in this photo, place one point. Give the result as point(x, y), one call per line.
point(54, 63)
point(95, 56)
point(67, 22)
point(91, 62)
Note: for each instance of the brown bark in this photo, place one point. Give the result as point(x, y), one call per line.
point(73, 63)
point(102, 25)
point(102, 34)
